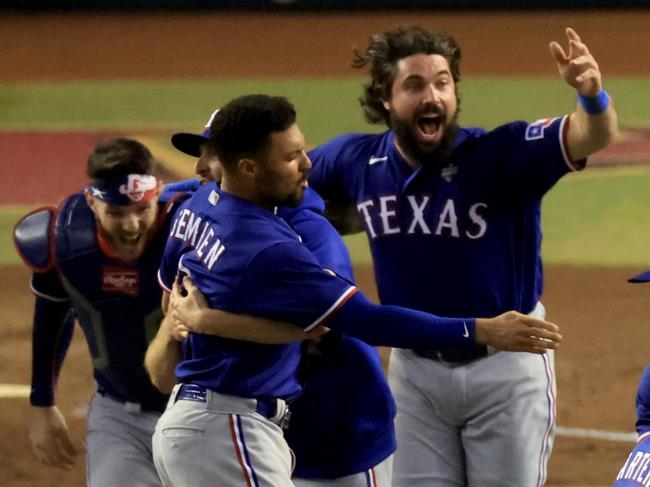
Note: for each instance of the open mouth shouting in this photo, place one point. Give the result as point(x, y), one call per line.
point(430, 126)
point(130, 242)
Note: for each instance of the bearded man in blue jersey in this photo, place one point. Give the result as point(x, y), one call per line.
point(452, 215)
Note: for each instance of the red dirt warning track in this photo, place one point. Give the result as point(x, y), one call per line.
point(41, 168)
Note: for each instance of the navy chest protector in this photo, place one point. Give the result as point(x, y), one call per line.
point(117, 304)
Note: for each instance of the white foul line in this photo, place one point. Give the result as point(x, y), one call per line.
point(14, 391)
point(596, 434)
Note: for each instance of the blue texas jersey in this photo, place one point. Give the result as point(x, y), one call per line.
point(457, 239)
point(247, 260)
point(342, 423)
point(636, 470)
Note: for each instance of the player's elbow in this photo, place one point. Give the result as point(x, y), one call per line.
point(161, 382)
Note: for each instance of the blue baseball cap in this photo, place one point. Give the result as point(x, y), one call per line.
point(190, 144)
point(643, 277)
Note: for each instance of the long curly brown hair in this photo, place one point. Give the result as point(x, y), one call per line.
point(382, 55)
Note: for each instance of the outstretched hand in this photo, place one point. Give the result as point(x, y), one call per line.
point(517, 332)
point(578, 67)
point(50, 438)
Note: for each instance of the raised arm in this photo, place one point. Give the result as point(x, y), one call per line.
point(190, 312)
point(594, 123)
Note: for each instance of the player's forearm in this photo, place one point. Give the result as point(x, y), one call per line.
point(162, 356)
point(594, 123)
point(398, 327)
point(243, 327)
point(589, 133)
point(52, 330)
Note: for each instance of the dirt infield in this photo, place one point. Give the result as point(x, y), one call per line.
point(604, 319)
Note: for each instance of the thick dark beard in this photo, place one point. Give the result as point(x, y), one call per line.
point(293, 201)
point(434, 156)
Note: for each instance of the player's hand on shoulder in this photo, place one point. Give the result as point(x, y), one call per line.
point(517, 332)
point(577, 67)
point(188, 305)
point(50, 438)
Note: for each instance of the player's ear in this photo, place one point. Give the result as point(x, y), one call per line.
point(385, 98)
point(247, 167)
point(90, 199)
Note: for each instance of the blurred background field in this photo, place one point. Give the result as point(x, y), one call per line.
point(584, 215)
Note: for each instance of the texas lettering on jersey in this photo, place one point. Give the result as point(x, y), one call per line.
point(448, 221)
point(192, 230)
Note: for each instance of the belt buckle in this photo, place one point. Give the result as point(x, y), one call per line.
point(286, 419)
point(441, 357)
point(281, 415)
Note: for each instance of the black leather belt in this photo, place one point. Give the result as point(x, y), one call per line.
point(194, 392)
point(455, 356)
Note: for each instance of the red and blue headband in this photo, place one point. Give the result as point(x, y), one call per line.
point(134, 188)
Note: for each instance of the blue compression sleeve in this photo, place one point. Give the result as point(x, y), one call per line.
point(398, 327)
point(51, 336)
point(185, 186)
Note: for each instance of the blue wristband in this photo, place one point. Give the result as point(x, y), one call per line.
point(594, 105)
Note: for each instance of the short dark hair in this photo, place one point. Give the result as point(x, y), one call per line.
point(383, 53)
point(243, 126)
point(119, 157)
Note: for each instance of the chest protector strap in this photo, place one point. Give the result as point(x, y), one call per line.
point(74, 230)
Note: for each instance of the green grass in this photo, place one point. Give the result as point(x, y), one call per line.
point(326, 107)
point(599, 218)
